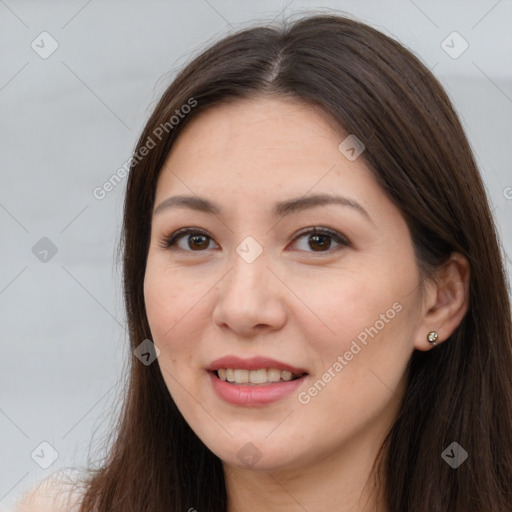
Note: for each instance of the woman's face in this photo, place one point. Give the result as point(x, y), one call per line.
point(341, 309)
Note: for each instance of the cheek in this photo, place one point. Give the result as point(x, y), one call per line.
point(176, 308)
point(160, 300)
point(168, 306)
point(363, 363)
point(169, 312)
point(341, 308)
point(368, 315)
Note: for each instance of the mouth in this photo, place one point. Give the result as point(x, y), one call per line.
point(258, 377)
point(255, 381)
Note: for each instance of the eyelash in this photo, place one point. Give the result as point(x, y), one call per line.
point(169, 242)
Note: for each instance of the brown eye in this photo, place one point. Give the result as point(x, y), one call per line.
point(196, 240)
point(321, 240)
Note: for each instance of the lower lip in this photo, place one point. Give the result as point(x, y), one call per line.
point(253, 395)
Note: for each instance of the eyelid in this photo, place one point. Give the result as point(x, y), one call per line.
point(337, 237)
point(169, 241)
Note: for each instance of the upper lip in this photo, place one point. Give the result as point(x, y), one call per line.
point(253, 363)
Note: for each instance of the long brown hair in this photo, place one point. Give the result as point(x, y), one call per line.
point(417, 151)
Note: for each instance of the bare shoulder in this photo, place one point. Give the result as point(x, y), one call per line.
point(59, 492)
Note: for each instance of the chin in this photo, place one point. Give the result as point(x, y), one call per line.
point(257, 454)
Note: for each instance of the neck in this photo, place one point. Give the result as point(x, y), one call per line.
point(341, 481)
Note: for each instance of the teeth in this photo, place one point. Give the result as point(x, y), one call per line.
point(273, 375)
point(262, 376)
point(241, 376)
point(257, 376)
point(286, 375)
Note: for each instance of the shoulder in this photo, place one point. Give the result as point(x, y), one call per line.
point(56, 493)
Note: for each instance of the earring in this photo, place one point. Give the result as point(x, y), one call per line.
point(432, 337)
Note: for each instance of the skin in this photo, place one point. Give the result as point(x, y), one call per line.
point(296, 302)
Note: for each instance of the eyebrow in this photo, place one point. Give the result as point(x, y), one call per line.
point(281, 208)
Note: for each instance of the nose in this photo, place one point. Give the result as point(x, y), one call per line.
point(250, 298)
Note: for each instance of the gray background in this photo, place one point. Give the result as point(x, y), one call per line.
point(69, 121)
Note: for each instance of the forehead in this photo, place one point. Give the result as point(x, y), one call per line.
point(249, 126)
point(252, 153)
point(258, 139)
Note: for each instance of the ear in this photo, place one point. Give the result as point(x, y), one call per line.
point(446, 301)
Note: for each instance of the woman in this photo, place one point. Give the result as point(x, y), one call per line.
point(316, 296)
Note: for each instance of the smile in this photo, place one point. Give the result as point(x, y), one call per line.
point(254, 394)
point(254, 381)
point(260, 376)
